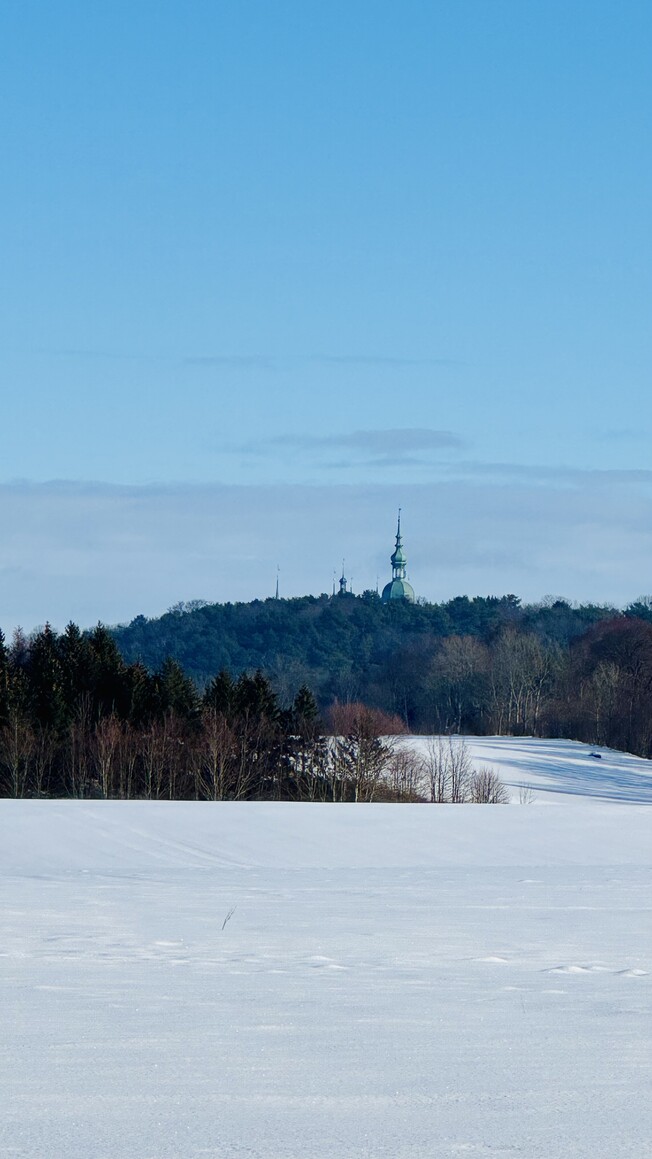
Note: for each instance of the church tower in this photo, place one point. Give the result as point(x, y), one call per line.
point(398, 588)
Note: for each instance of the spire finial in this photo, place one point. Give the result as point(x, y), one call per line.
point(398, 559)
point(278, 568)
point(398, 588)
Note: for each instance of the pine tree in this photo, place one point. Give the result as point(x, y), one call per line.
point(80, 672)
point(144, 699)
point(255, 697)
point(112, 692)
point(304, 712)
point(220, 693)
point(177, 691)
point(46, 681)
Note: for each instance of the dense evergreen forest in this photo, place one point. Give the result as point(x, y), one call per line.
point(345, 647)
point(77, 721)
point(238, 701)
point(482, 665)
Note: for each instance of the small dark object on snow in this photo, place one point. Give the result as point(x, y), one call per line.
point(597, 756)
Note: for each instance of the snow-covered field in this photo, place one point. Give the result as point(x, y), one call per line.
point(553, 769)
point(394, 980)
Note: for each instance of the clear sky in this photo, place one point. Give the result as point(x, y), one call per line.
point(314, 260)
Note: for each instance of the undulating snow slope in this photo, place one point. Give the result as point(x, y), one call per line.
point(561, 768)
point(393, 981)
point(62, 837)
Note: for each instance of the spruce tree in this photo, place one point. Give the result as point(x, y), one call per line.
point(46, 681)
point(177, 691)
point(220, 693)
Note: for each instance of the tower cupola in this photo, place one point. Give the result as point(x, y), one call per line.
point(398, 588)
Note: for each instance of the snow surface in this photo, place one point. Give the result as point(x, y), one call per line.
point(394, 980)
point(560, 768)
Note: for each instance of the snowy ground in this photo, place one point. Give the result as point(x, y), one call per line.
point(561, 768)
point(394, 981)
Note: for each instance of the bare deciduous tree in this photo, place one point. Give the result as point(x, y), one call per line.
point(436, 766)
point(17, 744)
point(361, 749)
point(522, 671)
point(452, 778)
point(486, 788)
point(108, 751)
point(448, 769)
point(405, 776)
point(457, 681)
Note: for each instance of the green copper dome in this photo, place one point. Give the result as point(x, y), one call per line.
point(398, 588)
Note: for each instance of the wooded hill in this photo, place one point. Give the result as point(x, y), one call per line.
point(77, 718)
point(481, 665)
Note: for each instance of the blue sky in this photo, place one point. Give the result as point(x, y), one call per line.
point(361, 253)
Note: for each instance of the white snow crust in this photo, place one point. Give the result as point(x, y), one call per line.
point(560, 769)
point(394, 980)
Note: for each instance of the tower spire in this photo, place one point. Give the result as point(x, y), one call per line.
point(398, 588)
point(398, 560)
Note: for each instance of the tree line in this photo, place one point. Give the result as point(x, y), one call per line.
point(77, 721)
point(344, 647)
point(77, 718)
point(479, 666)
point(597, 688)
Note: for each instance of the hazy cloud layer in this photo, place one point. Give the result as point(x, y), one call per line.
point(385, 361)
point(89, 552)
point(266, 362)
point(231, 361)
point(423, 454)
point(623, 435)
point(377, 442)
point(533, 474)
point(372, 449)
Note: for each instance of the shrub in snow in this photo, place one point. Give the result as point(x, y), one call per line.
point(486, 788)
point(451, 778)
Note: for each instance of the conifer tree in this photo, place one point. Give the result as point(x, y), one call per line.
point(80, 671)
point(144, 700)
point(112, 691)
point(220, 693)
point(255, 697)
point(177, 691)
point(305, 714)
point(46, 681)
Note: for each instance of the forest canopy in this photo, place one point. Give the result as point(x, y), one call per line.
point(237, 701)
point(477, 665)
